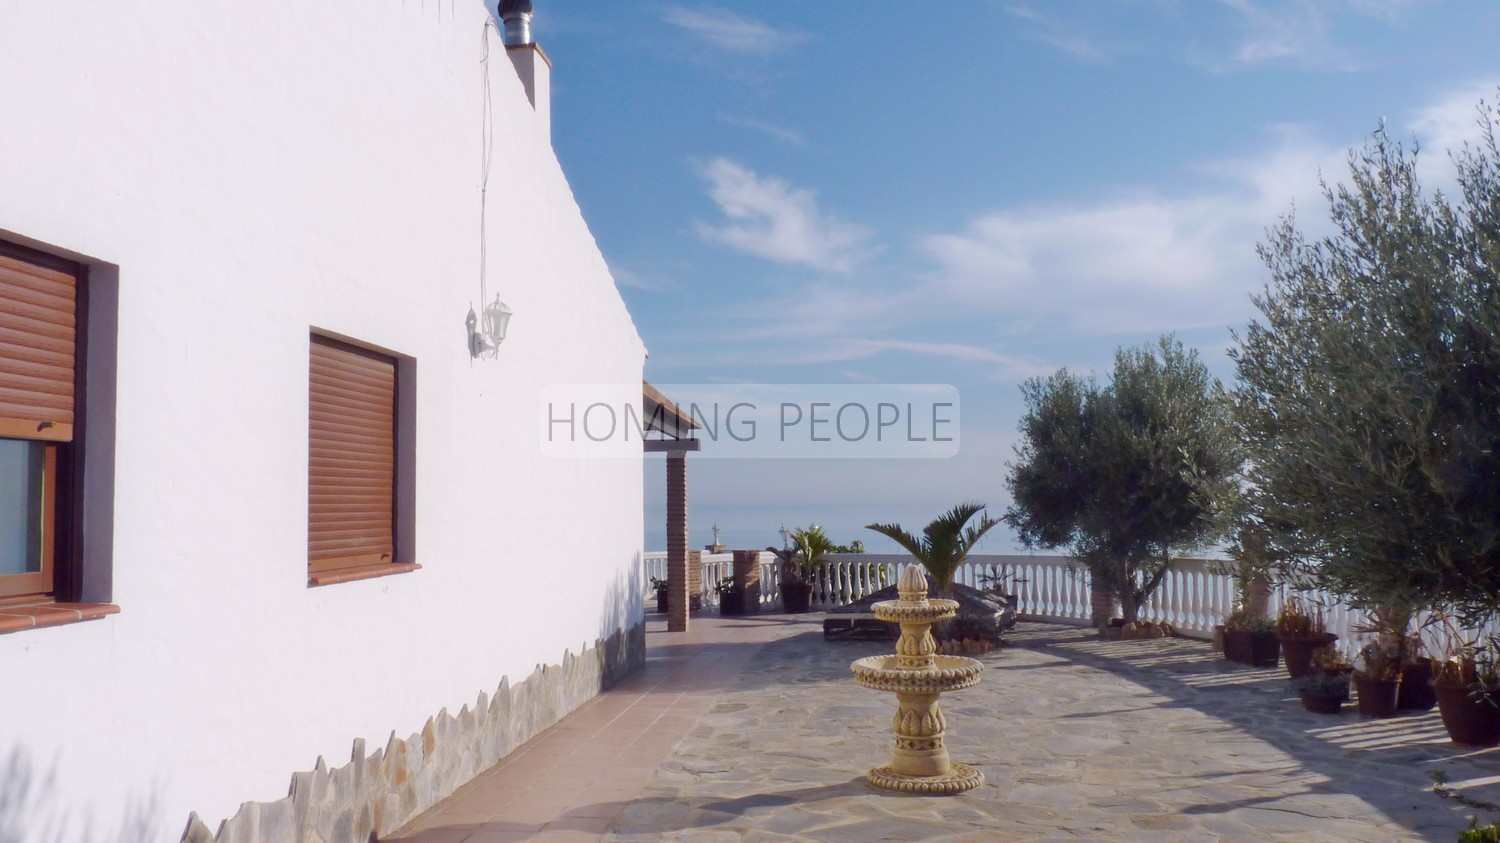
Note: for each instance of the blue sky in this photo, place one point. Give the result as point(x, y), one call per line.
point(967, 193)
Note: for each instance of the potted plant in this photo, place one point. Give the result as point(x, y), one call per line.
point(660, 585)
point(1417, 672)
point(1251, 640)
point(1380, 680)
point(731, 597)
point(799, 569)
point(1300, 633)
point(945, 542)
point(1467, 686)
point(796, 590)
point(1322, 693)
point(1328, 660)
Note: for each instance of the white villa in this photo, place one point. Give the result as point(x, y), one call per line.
point(273, 506)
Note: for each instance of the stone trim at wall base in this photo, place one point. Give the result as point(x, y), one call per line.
point(378, 793)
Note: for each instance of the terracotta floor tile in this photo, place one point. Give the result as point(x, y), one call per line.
point(436, 835)
point(503, 835)
point(567, 836)
point(575, 778)
point(598, 806)
point(594, 825)
point(539, 806)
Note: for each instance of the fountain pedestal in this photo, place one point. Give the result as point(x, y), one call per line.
point(918, 676)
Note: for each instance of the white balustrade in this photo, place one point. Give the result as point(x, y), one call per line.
point(1194, 596)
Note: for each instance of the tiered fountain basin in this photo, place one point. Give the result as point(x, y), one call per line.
point(949, 673)
point(917, 676)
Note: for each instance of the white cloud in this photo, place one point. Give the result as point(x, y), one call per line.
point(1452, 120)
point(1004, 366)
point(1390, 10)
point(1054, 34)
point(727, 31)
point(1295, 33)
point(1134, 263)
point(781, 133)
point(771, 219)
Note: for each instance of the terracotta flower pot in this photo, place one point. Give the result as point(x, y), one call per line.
point(1416, 692)
point(1298, 652)
point(796, 597)
point(1469, 721)
point(1377, 697)
point(1318, 704)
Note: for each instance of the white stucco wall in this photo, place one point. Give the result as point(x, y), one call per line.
point(254, 170)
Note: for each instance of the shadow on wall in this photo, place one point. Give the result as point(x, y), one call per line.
point(622, 615)
point(30, 810)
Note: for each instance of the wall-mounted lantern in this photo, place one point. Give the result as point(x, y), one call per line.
point(488, 331)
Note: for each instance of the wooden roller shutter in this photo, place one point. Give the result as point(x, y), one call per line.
point(38, 337)
point(351, 457)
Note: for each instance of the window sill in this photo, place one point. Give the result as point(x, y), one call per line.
point(17, 618)
point(350, 575)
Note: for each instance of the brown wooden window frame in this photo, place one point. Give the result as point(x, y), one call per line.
point(343, 389)
point(57, 430)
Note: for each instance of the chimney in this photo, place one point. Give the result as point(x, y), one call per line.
point(532, 65)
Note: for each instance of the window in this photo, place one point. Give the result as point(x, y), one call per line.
point(38, 384)
point(352, 465)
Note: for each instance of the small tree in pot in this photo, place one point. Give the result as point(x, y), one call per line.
point(1128, 474)
point(1370, 385)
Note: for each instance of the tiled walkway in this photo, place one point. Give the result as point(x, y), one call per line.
point(572, 781)
point(753, 730)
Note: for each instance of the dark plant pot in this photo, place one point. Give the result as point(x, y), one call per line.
point(1237, 646)
point(732, 603)
point(1298, 651)
point(1416, 692)
point(1377, 697)
point(1469, 722)
point(1265, 650)
point(1318, 704)
point(796, 597)
point(1348, 674)
point(661, 600)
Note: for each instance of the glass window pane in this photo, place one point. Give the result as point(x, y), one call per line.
point(21, 473)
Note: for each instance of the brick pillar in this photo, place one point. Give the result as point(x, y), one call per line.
point(680, 574)
point(695, 580)
point(747, 578)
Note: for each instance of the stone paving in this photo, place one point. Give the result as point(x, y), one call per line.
point(755, 731)
point(1079, 739)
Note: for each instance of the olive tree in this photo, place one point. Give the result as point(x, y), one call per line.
point(1369, 386)
point(1126, 475)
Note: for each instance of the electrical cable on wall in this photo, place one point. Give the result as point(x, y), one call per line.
point(486, 329)
point(487, 147)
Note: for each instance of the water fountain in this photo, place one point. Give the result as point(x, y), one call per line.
point(918, 676)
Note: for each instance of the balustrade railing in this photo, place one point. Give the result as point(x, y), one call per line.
point(1194, 596)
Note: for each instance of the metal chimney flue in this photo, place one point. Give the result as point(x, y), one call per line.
point(515, 15)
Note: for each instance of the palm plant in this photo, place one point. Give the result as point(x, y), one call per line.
point(812, 544)
point(945, 542)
